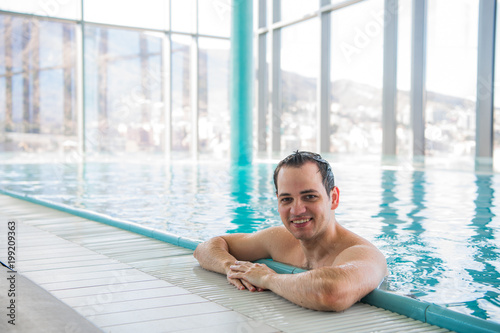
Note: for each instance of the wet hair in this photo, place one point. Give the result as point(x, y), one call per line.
point(298, 159)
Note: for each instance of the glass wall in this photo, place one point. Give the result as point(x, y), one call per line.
point(123, 87)
point(37, 85)
point(356, 76)
point(158, 83)
point(213, 125)
point(66, 9)
point(299, 76)
point(296, 9)
point(145, 89)
point(403, 114)
point(450, 117)
point(182, 126)
point(156, 13)
point(355, 48)
point(184, 15)
point(213, 17)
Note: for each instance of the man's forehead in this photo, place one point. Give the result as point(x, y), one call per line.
point(305, 168)
point(306, 165)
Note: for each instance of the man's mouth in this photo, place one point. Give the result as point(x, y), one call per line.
point(301, 220)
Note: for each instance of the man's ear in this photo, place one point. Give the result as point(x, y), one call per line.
point(335, 196)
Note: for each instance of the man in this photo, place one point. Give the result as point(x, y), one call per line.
point(343, 267)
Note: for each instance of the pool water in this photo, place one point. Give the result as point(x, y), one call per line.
point(439, 229)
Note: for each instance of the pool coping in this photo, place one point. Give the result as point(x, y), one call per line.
point(423, 311)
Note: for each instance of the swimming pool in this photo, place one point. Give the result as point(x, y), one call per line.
point(439, 229)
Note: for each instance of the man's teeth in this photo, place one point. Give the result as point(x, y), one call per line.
point(300, 221)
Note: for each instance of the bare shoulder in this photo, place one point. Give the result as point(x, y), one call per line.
point(283, 246)
point(356, 249)
point(278, 239)
point(349, 238)
point(278, 232)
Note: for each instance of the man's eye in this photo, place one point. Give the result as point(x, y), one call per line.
point(311, 197)
point(285, 200)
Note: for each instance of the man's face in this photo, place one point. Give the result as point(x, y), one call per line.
point(304, 206)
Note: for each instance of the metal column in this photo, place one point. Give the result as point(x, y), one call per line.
point(485, 80)
point(262, 81)
point(418, 68)
point(324, 86)
point(80, 88)
point(390, 90)
point(276, 80)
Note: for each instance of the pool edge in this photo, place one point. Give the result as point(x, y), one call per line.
point(430, 313)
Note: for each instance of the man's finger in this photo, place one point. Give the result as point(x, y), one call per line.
point(235, 268)
point(239, 266)
point(237, 283)
point(248, 285)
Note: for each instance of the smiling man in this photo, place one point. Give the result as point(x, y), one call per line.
point(342, 266)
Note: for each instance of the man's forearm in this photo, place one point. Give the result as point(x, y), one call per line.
point(214, 255)
point(324, 289)
point(313, 290)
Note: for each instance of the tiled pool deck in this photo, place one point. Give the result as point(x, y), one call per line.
point(78, 275)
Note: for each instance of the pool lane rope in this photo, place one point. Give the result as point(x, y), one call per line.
point(423, 311)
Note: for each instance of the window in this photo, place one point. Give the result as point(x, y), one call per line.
point(214, 17)
point(125, 13)
point(67, 9)
point(38, 85)
point(299, 75)
point(145, 89)
point(184, 16)
point(124, 103)
point(213, 102)
point(356, 109)
point(295, 9)
point(182, 126)
point(451, 77)
point(403, 113)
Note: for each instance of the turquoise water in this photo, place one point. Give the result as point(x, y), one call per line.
point(439, 229)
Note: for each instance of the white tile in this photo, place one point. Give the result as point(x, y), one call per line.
point(135, 316)
point(119, 287)
point(182, 323)
point(110, 295)
point(149, 303)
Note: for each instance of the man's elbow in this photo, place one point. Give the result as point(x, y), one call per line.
point(334, 297)
point(197, 251)
point(206, 252)
point(196, 254)
point(339, 296)
point(200, 253)
point(334, 301)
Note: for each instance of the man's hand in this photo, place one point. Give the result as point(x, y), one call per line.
point(244, 274)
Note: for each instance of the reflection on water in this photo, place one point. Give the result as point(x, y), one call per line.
point(242, 189)
point(405, 235)
point(438, 229)
point(428, 266)
point(485, 249)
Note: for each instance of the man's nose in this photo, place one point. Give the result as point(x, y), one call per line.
point(298, 207)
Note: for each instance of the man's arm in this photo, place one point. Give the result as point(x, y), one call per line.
point(214, 255)
point(356, 271)
point(219, 253)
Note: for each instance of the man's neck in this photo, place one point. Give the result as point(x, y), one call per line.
point(320, 251)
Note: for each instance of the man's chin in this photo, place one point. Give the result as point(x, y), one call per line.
point(301, 234)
